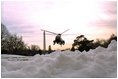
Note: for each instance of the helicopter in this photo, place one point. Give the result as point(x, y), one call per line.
point(58, 38)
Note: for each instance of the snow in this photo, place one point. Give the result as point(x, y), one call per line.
point(97, 63)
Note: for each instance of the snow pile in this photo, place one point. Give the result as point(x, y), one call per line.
point(100, 62)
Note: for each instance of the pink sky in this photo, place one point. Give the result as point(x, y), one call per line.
point(94, 19)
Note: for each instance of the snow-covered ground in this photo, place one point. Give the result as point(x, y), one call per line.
point(101, 62)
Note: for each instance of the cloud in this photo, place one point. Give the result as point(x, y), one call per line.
point(109, 7)
point(108, 15)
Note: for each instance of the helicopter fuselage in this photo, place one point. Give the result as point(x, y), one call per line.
point(59, 40)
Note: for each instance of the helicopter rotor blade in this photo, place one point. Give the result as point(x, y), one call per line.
point(65, 34)
point(49, 32)
point(64, 31)
point(70, 34)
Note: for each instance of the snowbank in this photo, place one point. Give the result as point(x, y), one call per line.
point(96, 63)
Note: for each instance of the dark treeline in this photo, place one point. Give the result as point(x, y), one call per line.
point(81, 43)
point(13, 44)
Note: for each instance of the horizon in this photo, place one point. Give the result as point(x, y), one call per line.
point(93, 18)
